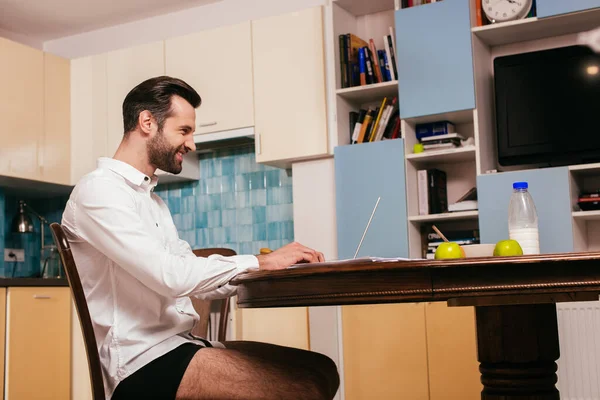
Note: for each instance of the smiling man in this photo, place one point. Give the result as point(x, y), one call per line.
point(138, 275)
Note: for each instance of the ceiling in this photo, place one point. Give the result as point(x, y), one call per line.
point(43, 20)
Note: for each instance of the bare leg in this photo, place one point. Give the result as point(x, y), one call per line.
point(251, 370)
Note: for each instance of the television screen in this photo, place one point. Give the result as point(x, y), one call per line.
point(548, 107)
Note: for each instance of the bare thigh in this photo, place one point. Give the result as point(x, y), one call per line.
point(251, 370)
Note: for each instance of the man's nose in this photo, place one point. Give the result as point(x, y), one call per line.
point(190, 145)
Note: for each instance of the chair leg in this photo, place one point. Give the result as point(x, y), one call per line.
point(222, 334)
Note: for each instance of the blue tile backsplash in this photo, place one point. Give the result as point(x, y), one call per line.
point(50, 208)
point(237, 203)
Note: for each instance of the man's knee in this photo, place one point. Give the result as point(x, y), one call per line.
point(330, 371)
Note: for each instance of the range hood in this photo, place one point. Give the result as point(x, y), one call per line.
point(207, 142)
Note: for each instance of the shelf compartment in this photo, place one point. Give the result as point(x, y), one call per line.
point(587, 215)
point(360, 7)
point(369, 93)
point(585, 169)
point(459, 215)
point(537, 28)
point(446, 156)
point(456, 117)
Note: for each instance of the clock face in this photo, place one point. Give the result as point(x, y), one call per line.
point(505, 10)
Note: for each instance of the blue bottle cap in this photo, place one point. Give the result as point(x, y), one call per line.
point(520, 185)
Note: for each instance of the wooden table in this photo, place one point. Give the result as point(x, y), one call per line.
point(514, 299)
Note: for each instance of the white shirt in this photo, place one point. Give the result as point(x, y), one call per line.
point(135, 271)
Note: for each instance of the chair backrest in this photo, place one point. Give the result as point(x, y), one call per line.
point(64, 249)
point(203, 307)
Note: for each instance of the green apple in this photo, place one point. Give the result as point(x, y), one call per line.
point(449, 250)
point(508, 247)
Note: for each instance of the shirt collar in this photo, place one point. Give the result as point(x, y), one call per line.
point(128, 172)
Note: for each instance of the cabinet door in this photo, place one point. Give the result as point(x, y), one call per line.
point(125, 69)
point(289, 87)
point(549, 8)
point(89, 127)
point(218, 64)
point(362, 174)
point(550, 190)
point(21, 109)
point(435, 60)
point(56, 147)
point(385, 353)
point(452, 352)
point(38, 356)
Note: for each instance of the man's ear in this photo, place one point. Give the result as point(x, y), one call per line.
point(145, 121)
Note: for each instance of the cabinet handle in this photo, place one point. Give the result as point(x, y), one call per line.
point(41, 297)
point(207, 124)
point(257, 144)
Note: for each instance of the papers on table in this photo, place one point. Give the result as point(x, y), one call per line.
point(360, 260)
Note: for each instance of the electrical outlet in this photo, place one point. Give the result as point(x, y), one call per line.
point(14, 255)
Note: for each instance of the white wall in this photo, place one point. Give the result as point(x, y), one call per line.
point(315, 227)
point(174, 24)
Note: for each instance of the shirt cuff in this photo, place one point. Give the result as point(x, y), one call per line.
point(245, 263)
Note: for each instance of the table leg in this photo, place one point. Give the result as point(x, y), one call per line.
point(517, 350)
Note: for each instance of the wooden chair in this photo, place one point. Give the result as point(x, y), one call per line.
point(83, 312)
point(91, 348)
point(203, 307)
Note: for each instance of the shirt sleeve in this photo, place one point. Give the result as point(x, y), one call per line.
point(106, 217)
point(221, 292)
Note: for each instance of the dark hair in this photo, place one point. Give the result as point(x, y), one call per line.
point(155, 95)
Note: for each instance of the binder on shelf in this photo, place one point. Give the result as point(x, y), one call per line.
point(432, 191)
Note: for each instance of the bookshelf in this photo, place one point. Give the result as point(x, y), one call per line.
point(587, 215)
point(459, 215)
point(468, 167)
point(461, 154)
point(365, 20)
point(360, 8)
point(369, 93)
point(534, 28)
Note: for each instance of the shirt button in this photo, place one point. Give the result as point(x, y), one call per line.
point(157, 224)
point(146, 178)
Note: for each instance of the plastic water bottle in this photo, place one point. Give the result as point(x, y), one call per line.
point(523, 220)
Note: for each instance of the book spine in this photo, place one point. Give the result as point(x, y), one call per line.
point(422, 192)
point(362, 66)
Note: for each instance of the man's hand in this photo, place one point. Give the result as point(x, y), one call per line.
point(287, 255)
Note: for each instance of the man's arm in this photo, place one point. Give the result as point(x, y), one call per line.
point(106, 217)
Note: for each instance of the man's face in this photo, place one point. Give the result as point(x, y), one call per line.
point(168, 146)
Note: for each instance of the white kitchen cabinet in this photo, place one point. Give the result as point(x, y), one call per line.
point(89, 126)
point(217, 63)
point(289, 87)
point(21, 109)
point(55, 151)
point(125, 69)
point(38, 343)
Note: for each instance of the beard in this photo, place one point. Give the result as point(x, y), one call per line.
point(164, 156)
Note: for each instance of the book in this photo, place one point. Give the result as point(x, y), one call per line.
point(366, 122)
point(432, 191)
point(433, 129)
point(376, 68)
point(358, 125)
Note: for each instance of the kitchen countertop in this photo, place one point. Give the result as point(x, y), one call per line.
point(6, 282)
